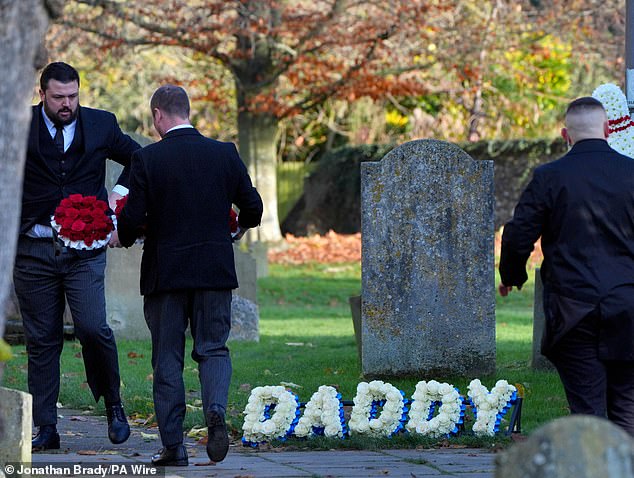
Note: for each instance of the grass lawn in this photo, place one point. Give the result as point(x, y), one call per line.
point(307, 340)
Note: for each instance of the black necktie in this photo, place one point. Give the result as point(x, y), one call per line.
point(59, 138)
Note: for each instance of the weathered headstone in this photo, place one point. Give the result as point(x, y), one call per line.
point(538, 361)
point(580, 446)
point(260, 251)
point(124, 304)
point(428, 303)
point(245, 318)
point(355, 310)
point(15, 427)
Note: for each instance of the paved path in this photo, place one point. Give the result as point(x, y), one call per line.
point(85, 444)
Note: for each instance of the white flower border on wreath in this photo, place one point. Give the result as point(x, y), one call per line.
point(392, 415)
point(490, 407)
point(450, 414)
point(324, 410)
point(257, 426)
point(621, 137)
point(81, 245)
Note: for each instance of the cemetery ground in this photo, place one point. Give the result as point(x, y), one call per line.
point(307, 340)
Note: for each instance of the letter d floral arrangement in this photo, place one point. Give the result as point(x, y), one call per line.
point(82, 222)
point(380, 409)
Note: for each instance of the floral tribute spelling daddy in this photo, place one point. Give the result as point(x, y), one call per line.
point(82, 222)
point(380, 409)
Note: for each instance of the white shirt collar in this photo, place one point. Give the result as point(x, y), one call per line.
point(180, 126)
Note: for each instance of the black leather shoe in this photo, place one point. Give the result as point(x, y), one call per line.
point(217, 438)
point(118, 428)
point(172, 456)
point(46, 438)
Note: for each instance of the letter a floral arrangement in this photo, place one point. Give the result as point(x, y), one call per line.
point(380, 410)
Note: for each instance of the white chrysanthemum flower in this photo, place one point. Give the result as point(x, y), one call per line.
point(489, 406)
point(621, 137)
point(323, 410)
point(449, 414)
point(257, 426)
point(389, 421)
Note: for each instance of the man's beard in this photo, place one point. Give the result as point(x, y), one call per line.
point(55, 117)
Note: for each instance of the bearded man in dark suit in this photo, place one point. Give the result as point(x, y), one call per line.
point(181, 191)
point(582, 206)
point(67, 150)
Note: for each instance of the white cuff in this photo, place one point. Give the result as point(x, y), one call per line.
point(119, 189)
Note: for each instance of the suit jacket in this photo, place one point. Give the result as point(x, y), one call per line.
point(43, 189)
point(181, 189)
point(582, 206)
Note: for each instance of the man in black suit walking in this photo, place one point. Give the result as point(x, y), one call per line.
point(582, 206)
point(181, 191)
point(67, 149)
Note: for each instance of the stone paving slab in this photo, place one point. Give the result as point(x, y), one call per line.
point(84, 441)
point(452, 460)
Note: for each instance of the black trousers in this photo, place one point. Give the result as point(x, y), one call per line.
point(167, 316)
point(604, 388)
point(43, 282)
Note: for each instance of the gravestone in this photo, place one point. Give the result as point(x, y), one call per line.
point(355, 310)
point(538, 361)
point(15, 427)
point(580, 446)
point(428, 303)
point(260, 251)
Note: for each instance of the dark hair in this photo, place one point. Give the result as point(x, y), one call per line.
point(584, 103)
point(172, 100)
point(59, 71)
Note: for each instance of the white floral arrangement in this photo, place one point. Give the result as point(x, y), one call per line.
point(490, 407)
point(363, 419)
point(323, 415)
point(271, 413)
point(621, 137)
point(450, 413)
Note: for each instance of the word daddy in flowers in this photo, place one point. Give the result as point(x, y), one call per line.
point(380, 409)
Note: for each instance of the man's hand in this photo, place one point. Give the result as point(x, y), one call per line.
point(114, 240)
point(113, 197)
point(238, 235)
point(504, 289)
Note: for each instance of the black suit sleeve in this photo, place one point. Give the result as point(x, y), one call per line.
point(121, 149)
point(246, 196)
point(521, 233)
point(133, 216)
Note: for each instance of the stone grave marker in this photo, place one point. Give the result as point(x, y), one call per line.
point(15, 427)
point(538, 361)
point(580, 446)
point(428, 292)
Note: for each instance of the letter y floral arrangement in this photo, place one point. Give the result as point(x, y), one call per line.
point(379, 410)
point(82, 222)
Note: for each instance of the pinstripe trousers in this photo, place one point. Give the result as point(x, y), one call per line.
point(43, 282)
point(167, 316)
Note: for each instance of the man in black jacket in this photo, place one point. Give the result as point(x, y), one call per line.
point(582, 207)
point(67, 148)
point(181, 191)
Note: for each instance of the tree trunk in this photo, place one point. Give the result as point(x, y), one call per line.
point(256, 137)
point(22, 24)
